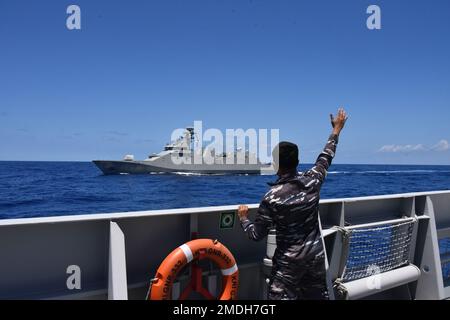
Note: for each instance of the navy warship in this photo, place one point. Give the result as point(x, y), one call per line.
point(180, 156)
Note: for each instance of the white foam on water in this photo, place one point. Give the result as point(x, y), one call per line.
point(338, 172)
point(389, 171)
point(182, 173)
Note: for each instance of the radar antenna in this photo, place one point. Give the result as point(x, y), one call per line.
point(192, 135)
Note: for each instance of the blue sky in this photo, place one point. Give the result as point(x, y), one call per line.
point(139, 69)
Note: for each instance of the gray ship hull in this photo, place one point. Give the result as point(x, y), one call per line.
point(181, 156)
point(109, 167)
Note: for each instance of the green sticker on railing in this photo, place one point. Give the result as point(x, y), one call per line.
point(226, 220)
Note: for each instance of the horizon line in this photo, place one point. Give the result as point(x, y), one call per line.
point(305, 163)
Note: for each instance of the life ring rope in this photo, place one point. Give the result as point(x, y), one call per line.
point(229, 271)
point(187, 252)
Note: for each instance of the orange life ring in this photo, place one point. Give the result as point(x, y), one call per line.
point(161, 286)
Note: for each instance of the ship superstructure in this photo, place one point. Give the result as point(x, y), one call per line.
point(182, 155)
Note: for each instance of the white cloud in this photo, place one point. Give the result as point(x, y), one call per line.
point(402, 148)
point(442, 145)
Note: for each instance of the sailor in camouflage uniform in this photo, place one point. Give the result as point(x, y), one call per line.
point(291, 207)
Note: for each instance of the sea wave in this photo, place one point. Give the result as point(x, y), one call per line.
point(74, 188)
point(183, 173)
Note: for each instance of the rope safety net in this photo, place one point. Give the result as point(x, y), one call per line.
point(377, 249)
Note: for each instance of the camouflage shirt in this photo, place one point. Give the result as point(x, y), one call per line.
point(291, 207)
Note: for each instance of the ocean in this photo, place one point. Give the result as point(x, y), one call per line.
point(40, 189)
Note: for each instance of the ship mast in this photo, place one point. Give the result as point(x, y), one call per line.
point(190, 137)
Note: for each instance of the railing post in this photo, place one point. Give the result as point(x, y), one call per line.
point(117, 274)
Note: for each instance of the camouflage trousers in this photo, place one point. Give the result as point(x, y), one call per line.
point(303, 281)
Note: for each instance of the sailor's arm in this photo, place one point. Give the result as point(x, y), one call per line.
point(258, 229)
point(323, 162)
